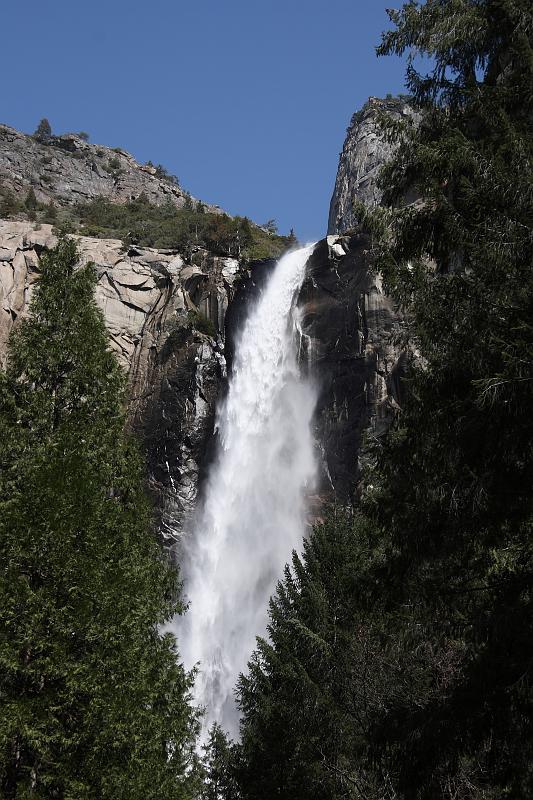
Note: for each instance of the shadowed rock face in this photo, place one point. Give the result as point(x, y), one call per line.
point(174, 371)
point(350, 326)
point(364, 152)
point(348, 342)
point(348, 329)
point(247, 290)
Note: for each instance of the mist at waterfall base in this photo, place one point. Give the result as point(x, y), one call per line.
point(253, 512)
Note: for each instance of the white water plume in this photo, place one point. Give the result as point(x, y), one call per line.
point(253, 512)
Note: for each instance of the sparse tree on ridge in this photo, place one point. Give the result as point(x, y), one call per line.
point(43, 131)
point(271, 226)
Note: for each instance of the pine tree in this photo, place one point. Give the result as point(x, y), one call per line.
point(313, 687)
point(43, 131)
point(246, 236)
point(219, 768)
point(93, 699)
point(271, 226)
point(409, 675)
point(453, 486)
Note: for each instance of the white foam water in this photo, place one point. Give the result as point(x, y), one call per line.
point(253, 511)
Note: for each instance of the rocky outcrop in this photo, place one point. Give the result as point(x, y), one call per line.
point(348, 329)
point(153, 303)
point(364, 153)
point(67, 169)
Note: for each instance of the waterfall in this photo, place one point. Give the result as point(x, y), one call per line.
point(253, 512)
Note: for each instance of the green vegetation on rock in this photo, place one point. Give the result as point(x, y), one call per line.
point(140, 222)
point(202, 323)
point(43, 131)
point(147, 225)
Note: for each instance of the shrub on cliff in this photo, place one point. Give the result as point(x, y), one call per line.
point(140, 222)
point(202, 323)
point(31, 203)
point(8, 203)
point(93, 699)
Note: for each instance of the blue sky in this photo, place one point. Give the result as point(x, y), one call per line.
point(246, 102)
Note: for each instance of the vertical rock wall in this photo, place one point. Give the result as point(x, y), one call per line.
point(364, 152)
point(348, 328)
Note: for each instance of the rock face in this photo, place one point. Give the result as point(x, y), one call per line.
point(348, 328)
point(173, 322)
point(364, 153)
point(67, 169)
point(174, 370)
point(251, 280)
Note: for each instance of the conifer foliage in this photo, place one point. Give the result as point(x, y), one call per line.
point(312, 687)
point(93, 702)
point(218, 767)
point(401, 647)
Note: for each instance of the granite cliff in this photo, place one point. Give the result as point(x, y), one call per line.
point(365, 151)
point(155, 304)
point(173, 318)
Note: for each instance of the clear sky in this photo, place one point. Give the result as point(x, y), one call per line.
point(246, 102)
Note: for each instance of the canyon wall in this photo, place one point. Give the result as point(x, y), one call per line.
point(154, 303)
point(173, 320)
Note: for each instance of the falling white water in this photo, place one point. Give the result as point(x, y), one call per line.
point(253, 511)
